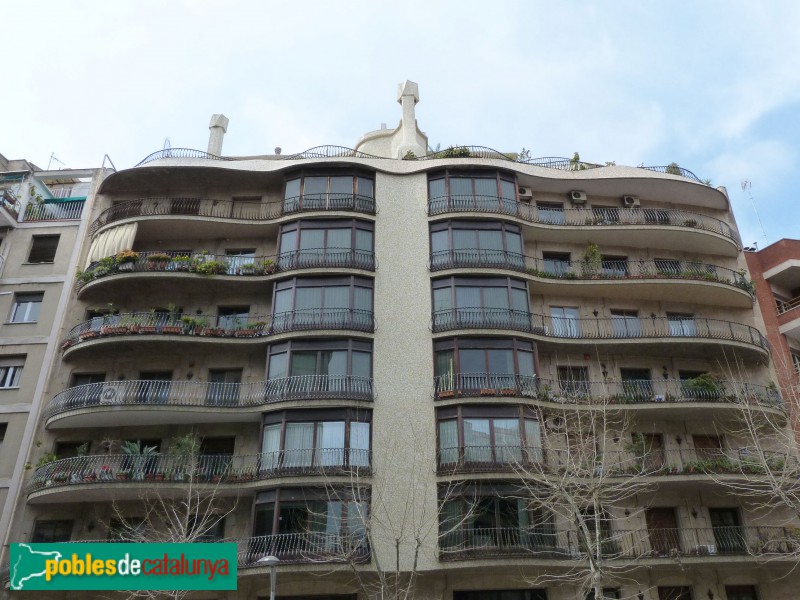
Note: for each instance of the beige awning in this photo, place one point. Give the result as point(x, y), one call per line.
point(112, 241)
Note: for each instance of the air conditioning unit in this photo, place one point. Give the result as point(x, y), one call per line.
point(577, 197)
point(631, 201)
point(526, 194)
point(705, 549)
point(113, 393)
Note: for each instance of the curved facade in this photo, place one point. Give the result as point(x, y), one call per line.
point(354, 338)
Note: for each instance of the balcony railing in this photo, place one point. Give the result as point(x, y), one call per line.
point(157, 261)
point(230, 209)
point(218, 469)
point(608, 217)
point(784, 307)
point(572, 270)
point(62, 210)
point(208, 394)
point(638, 391)
point(675, 544)
point(605, 328)
point(8, 199)
point(303, 547)
point(150, 324)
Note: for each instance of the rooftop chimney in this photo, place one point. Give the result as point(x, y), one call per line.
point(217, 129)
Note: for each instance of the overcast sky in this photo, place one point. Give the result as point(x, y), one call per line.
point(713, 86)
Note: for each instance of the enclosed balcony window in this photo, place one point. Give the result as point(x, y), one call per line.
point(482, 436)
point(556, 264)
point(298, 440)
point(482, 191)
point(309, 368)
point(473, 366)
point(626, 323)
point(637, 384)
point(498, 522)
point(487, 302)
point(335, 302)
point(566, 321)
point(335, 191)
point(574, 381)
point(551, 213)
point(341, 243)
point(682, 324)
point(232, 317)
point(615, 266)
point(605, 215)
point(235, 259)
point(305, 524)
point(471, 243)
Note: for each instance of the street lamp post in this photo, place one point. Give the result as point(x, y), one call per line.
point(272, 562)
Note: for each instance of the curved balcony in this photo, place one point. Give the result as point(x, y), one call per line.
point(157, 402)
point(204, 268)
point(228, 210)
point(307, 547)
point(75, 478)
point(645, 279)
point(647, 335)
point(676, 545)
point(158, 328)
point(644, 393)
point(642, 227)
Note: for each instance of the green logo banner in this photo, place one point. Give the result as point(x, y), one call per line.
point(117, 566)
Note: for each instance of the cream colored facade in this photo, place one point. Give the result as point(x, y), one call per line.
point(667, 301)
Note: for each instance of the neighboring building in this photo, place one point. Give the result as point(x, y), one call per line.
point(382, 357)
point(776, 274)
point(40, 223)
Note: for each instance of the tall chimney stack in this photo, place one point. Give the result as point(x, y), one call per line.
point(217, 129)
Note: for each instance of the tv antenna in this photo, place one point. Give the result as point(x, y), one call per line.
point(53, 157)
point(747, 186)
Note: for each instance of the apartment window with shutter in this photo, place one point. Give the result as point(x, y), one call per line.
point(3, 429)
point(26, 308)
point(43, 249)
point(11, 371)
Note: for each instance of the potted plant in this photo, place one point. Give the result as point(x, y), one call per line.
point(244, 329)
point(158, 261)
point(151, 326)
point(172, 327)
point(592, 260)
point(268, 266)
point(184, 450)
point(126, 259)
point(182, 262)
point(140, 456)
point(212, 267)
point(247, 269)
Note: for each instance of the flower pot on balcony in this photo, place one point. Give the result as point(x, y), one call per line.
point(88, 335)
point(148, 329)
point(159, 477)
point(213, 332)
point(508, 392)
point(447, 394)
point(67, 344)
point(123, 476)
point(172, 329)
point(488, 392)
point(245, 333)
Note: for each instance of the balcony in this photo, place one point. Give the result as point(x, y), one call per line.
point(66, 209)
point(201, 268)
point(79, 478)
point(678, 545)
point(789, 318)
point(642, 227)
point(644, 279)
point(646, 335)
point(308, 547)
point(655, 393)
point(147, 329)
point(189, 402)
point(200, 209)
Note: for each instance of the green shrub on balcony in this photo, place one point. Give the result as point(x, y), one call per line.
point(212, 267)
point(126, 256)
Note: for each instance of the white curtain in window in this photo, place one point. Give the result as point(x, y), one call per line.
point(359, 444)
point(270, 448)
point(330, 444)
point(299, 444)
point(477, 441)
point(448, 442)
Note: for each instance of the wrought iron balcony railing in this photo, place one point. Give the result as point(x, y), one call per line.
point(63, 210)
point(603, 328)
point(208, 394)
point(157, 261)
point(304, 547)
point(638, 391)
point(230, 209)
point(109, 469)
point(598, 217)
point(577, 270)
point(666, 543)
point(138, 324)
point(784, 307)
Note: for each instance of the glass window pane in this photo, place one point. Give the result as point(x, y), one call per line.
point(465, 239)
point(495, 297)
point(436, 188)
point(443, 363)
point(283, 301)
point(460, 186)
point(468, 297)
point(507, 441)
point(342, 185)
point(442, 299)
point(533, 439)
point(299, 444)
point(359, 444)
point(519, 300)
point(525, 360)
point(304, 363)
point(366, 187)
point(339, 238)
point(330, 443)
point(292, 188)
point(362, 364)
point(271, 445)
point(315, 187)
point(439, 241)
point(364, 240)
point(514, 242)
point(278, 365)
point(448, 442)
point(472, 361)
point(308, 298)
point(333, 362)
point(288, 241)
point(363, 298)
point(477, 440)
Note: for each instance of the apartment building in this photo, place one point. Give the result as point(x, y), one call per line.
point(40, 221)
point(461, 374)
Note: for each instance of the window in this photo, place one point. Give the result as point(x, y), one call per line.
point(333, 192)
point(636, 384)
point(707, 447)
point(668, 266)
point(605, 215)
point(498, 521)
point(487, 435)
point(3, 430)
point(236, 258)
point(556, 264)
point(72, 449)
point(501, 595)
point(46, 532)
point(675, 592)
point(727, 529)
point(223, 387)
point(89, 395)
point(614, 266)
point(681, 324)
point(470, 243)
point(130, 530)
point(232, 317)
point(486, 302)
point(154, 387)
point(608, 594)
point(484, 365)
point(43, 249)
point(574, 381)
point(625, 323)
point(26, 308)
point(489, 191)
point(796, 361)
point(246, 207)
point(565, 321)
point(342, 243)
point(213, 528)
point(551, 213)
point(741, 592)
point(11, 371)
point(309, 302)
point(325, 438)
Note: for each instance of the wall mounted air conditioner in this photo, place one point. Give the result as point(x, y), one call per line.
point(577, 197)
point(525, 194)
point(631, 201)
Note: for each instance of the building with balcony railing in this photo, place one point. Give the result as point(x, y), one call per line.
point(387, 362)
